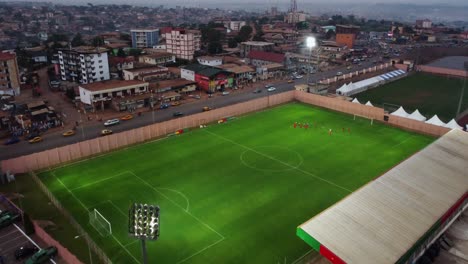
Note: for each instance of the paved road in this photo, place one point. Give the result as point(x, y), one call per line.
point(89, 131)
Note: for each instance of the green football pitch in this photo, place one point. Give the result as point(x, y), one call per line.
point(232, 192)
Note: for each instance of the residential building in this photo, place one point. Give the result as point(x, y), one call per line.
point(99, 95)
point(147, 73)
point(210, 61)
point(158, 58)
point(261, 58)
point(9, 74)
point(425, 23)
point(233, 25)
point(208, 78)
point(84, 64)
point(144, 38)
point(246, 47)
point(183, 43)
point(295, 17)
point(346, 35)
point(180, 86)
point(332, 46)
point(242, 74)
point(121, 63)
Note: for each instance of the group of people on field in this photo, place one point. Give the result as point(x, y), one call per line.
point(306, 126)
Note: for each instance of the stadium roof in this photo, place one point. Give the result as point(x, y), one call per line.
point(382, 221)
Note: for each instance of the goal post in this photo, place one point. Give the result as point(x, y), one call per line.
point(100, 223)
point(361, 117)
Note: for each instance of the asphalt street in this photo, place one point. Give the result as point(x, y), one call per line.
point(93, 130)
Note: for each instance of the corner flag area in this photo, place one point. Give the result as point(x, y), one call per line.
point(232, 192)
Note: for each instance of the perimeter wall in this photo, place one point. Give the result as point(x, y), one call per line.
point(442, 71)
point(54, 157)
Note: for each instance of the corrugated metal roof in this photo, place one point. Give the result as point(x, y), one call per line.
point(381, 221)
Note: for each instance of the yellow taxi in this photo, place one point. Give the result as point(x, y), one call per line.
point(127, 117)
point(35, 140)
point(69, 133)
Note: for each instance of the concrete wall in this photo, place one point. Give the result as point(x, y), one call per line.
point(442, 71)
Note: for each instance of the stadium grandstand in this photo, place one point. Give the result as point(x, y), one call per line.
point(398, 216)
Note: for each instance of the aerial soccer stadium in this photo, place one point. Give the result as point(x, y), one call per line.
point(279, 181)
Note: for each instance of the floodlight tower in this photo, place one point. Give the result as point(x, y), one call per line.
point(311, 42)
point(143, 223)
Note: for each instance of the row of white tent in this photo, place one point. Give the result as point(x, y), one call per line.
point(416, 115)
point(435, 120)
point(354, 88)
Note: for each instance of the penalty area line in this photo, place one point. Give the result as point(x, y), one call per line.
point(201, 250)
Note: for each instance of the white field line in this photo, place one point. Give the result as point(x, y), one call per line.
point(179, 193)
point(284, 163)
point(84, 206)
point(301, 257)
point(99, 181)
point(7, 234)
point(118, 209)
point(200, 251)
point(176, 204)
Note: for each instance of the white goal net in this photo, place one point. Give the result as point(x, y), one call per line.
point(100, 223)
point(363, 118)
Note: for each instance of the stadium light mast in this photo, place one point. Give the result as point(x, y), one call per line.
point(311, 43)
point(143, 223)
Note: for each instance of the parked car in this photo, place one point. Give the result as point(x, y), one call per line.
point(7, 107)
point(25, 251)
point(290, 81)
point(339, 73)
point(176, 103)
point(268, 85)
point(164, 106)
point(258, 90)
point(42, 256)
point(35, 140)
point(271, 89)
point(206, 108)
point(106, 132)
point(112, 122)
point(298, 76)
point(176, 114)
point(225, 93)
point(126, 117)
point(8, 219)
point(11, 141)
point(69, 133)
point(197, 96)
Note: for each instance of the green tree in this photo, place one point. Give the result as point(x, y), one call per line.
point(77, 40)
point(215, 47)
point(302, 25)
point(232, 43)
point(58, 38)
point(330, 34)
point(70, 93)
point(244, 33)
point(134, 52)
point(121, 53)
point(98, 41)
point(28, 225)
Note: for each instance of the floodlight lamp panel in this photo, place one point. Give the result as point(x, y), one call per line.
point(311, 42)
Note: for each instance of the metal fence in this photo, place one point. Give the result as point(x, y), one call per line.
point(94, 247)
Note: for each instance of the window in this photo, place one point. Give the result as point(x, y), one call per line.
point(101, 72)
point(100, 61)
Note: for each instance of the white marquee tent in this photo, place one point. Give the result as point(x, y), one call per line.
point(354, 88)
point(356, 101)
point(400, 112)
point(435, 121)
point(453, 125)
point(416, 115)
point(369, 103)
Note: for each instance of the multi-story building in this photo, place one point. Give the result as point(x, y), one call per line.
point(9, 74)
point(425, 23)
point(295, 17)
point(346, 35)
point(158, 58)
point(183, 43)
point(84, 64)
point(144, 38)
point(99, 95)
point(210, 61)
point(261, 58)
point(246, 47)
